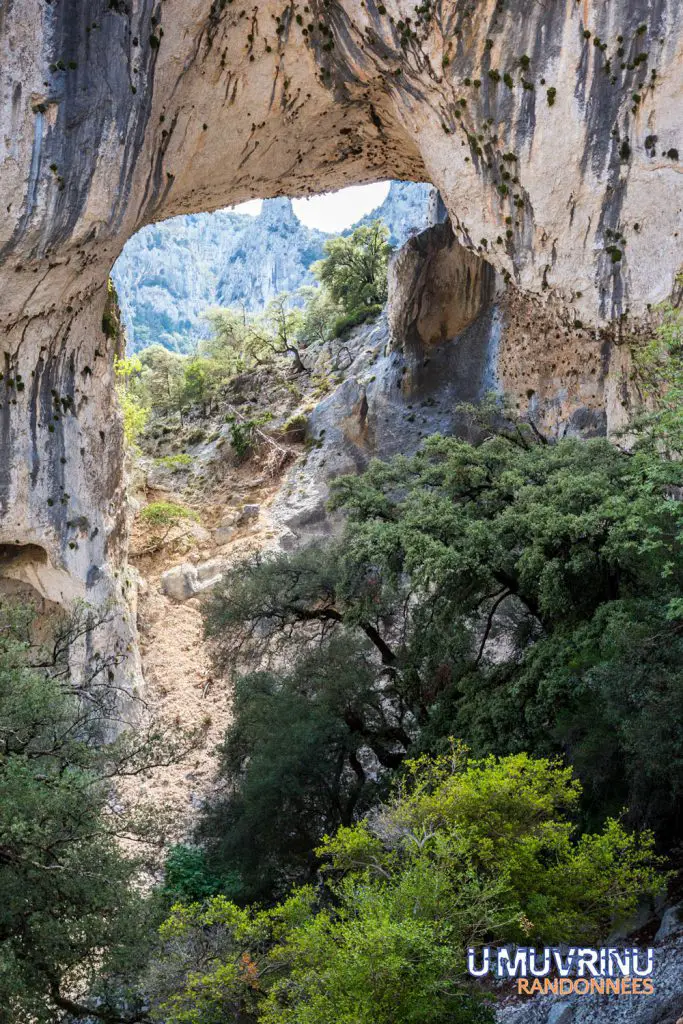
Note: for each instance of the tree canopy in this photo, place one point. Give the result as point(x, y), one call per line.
point(463, 851)
point(354, 269)
point(75, 928)
point(519, 595)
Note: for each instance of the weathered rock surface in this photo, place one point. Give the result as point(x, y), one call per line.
point(671, 924)
point(453, 332)
point(148, 110)
point(389, 402)
point(438, 288)
point(187, 580)
point(552, 132)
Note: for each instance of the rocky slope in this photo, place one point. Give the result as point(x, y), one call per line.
point(170, 273)
point(380, 391)
point(552, 132)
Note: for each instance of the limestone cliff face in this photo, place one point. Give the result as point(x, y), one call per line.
point(552, 131)
point(437, 289)
point(170, 273)
point(568, 377)
point(563, 117)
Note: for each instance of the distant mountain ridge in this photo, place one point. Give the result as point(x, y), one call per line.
point(170, 273)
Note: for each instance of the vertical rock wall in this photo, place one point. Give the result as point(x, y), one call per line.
point(552, 131)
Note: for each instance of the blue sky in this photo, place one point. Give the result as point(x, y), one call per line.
point(332, 211)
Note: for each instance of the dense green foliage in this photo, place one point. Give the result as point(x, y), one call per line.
point(354, 273)
point(75, 929)
point(293, 783)
point(519, 595)
point(464, 850)
point(186, 876)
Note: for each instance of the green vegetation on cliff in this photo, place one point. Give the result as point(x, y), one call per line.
point(76, 928)
point(353, 287)
point(455, 724)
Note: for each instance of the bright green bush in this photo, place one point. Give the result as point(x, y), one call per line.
point(166, 513)
point(465, 852)
point(162, 517)
point(658, 373)
point(135, 412)
point(174, 462)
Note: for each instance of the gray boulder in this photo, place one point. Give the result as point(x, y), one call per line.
point(186, 580)
point(671, 924)
point(248, 512)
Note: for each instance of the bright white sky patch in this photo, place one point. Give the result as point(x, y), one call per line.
point(332, 211)
point(252, 207)
point(335, 211)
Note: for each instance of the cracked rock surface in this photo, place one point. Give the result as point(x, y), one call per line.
point(551, 130)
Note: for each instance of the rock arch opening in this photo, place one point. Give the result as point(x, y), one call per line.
point(170, 273)
point(122, 115)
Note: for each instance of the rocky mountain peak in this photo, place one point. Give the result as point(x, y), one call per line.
point(170, 273)
point(280, 213)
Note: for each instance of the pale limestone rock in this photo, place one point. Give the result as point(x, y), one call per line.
point(180, 582)
point(437, 288)
point(223, 534)
point(110, 124)
point(186, 581)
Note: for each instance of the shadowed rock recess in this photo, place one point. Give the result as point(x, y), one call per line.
point(551, 130)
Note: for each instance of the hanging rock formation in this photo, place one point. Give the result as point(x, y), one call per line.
point(438, 288)
point(552, 131)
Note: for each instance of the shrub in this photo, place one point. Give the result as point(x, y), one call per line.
point(241, 437)
point(344, 324)
point(464, 852)
point(244, 432)
point(174, 462)
point(135, 417)
point(165, 513)
point(135, 413)
point(187, 878)
point(296, 424)
point(658, 373)
point(163, 517)
point(196, 436)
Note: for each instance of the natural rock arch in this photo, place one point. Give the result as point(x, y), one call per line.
point(552, 131)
